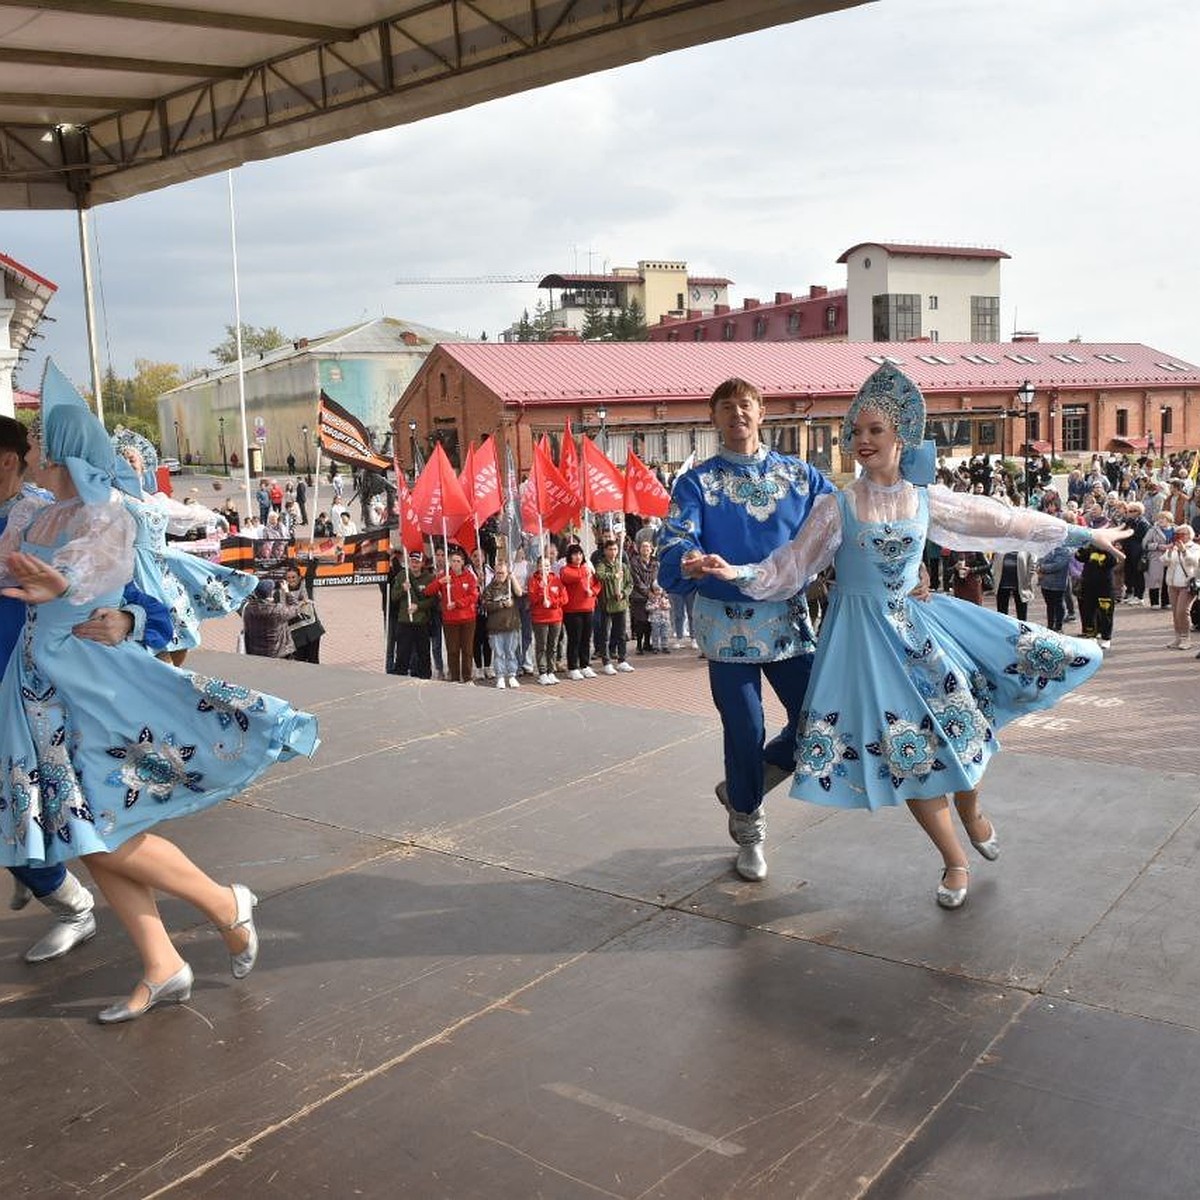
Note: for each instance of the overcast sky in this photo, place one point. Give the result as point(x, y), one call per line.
point(1061, 131)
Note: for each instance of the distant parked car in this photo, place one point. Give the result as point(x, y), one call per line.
point(173, 465)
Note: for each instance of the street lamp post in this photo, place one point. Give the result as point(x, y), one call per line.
point(1025, 394)
point(1053, 416)
point(1163, 410)
point(178, 443)
point(221, 439)
point(412, 445)
point(304, 439)
point(602, 416)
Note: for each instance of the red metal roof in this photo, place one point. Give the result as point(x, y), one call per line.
point(709, 280)
point(903, 248)
point(542, 372)
point(11, 266)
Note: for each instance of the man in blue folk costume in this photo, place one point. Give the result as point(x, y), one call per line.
point(742, 503)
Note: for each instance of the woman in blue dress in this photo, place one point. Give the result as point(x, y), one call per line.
point(192, 588)
point(907, 693)
point(103, 743)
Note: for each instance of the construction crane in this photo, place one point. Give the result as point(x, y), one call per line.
point(434, 281)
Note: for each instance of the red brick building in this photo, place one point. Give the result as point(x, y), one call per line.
point(819, 316)
point(654, 397)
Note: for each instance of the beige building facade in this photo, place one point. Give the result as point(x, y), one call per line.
point(899, 292)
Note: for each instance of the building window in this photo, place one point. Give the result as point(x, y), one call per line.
point(673, 335)
point(793, 321)
point(1033, 428)
point(896, 316)
point(985, 318)
point(760, 328)
point(933, 304)
point(442, 384)
point(933, 335)
point(831, 316)
point(1165, 415)
point(729, 332)
point(698, 334)
point(679, 301)
point(1075, 435)
point(1122, 422)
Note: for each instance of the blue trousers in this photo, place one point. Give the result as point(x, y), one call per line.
point(737, 692)
point(41, 881)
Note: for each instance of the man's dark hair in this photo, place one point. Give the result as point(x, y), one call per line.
point(734, 389)
point(15, 437)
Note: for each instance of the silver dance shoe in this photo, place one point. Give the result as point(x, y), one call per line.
point(951, 897)
point(990, 847)
point(175, 990)
point(242, 964)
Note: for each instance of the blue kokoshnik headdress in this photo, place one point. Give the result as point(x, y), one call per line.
point(122, 439)
point(72, 436)
point(889, 391)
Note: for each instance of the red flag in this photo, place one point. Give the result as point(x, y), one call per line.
point(484, 491)
point(603, 487)
point(644, 495)
point(410, 530)
point(568, 462)
point(530, 521)
point(437, 496)
point(555, 502)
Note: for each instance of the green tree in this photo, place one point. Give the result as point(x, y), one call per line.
point(594, 328)
point(635, 323)
point(543, 322)
point(525, 328)
point(255, 340)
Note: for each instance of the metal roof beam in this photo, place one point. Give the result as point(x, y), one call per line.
point(127, 10)
point(107, 104)
point(100, 62)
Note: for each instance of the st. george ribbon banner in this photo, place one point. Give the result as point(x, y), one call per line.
point(344, 437)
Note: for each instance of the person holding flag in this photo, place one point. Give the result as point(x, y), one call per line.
point(745, 501)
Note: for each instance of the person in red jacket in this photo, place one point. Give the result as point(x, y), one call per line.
point(582, 588)
point(459, 593)
point(546, 598)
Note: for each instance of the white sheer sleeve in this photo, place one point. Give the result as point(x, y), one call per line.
point(183, 518)
point(788, 570)
point(98, 557)
point(962, 521)
point(20, 517)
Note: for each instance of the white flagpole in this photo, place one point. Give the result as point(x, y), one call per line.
point(237, 335)
point(89, 313)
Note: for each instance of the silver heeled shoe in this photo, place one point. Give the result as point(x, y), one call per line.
point(951, 897)
point(989, 847)
point(242, 964)
point(175, 990)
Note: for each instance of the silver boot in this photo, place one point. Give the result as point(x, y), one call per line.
point(750, 831)
point(72, 904)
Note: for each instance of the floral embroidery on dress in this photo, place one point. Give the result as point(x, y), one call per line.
point(821, 751)
point(908, 749)
point(157, 767)
point(1041, 657)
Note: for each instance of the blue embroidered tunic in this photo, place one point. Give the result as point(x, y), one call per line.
point(906, 695)
point(104, 742)
point(741, 507)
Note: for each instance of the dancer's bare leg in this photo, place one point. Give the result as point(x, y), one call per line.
point(156, 863)
point(978, 827)
point(136, 909)
point(933, 816)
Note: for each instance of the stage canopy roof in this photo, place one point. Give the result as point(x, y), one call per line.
point(104, 99)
